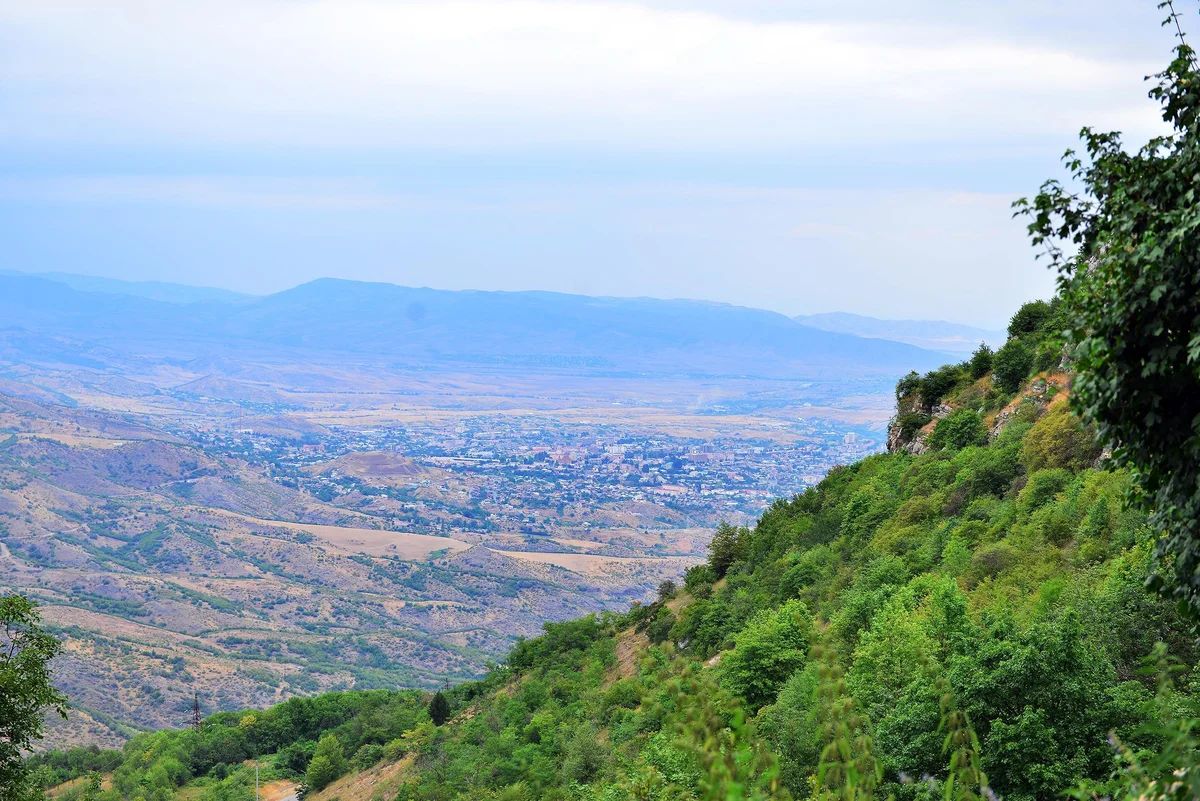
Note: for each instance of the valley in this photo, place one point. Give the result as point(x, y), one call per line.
point(252, 525)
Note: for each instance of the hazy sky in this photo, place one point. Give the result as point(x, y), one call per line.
point(798, 156)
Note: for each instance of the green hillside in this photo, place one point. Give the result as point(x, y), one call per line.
point(977, 593)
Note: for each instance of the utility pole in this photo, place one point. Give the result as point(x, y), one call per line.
point(256, 780)
point(196, 711)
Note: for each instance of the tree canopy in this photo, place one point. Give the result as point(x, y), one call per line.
point(1131, 288)
point(26, 691)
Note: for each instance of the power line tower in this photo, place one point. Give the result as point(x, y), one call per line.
point(196, 711)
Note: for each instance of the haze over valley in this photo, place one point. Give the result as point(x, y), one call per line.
point(364, 485)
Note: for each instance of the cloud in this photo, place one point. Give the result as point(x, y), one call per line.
point(206, 190)
point(820, 229)
point(905, 253)
point(474, 75)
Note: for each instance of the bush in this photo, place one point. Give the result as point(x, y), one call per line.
point(961, 429)
point(728, 545)
point(327, 765)
point(367, 756)
point(936, 384)
point(1049, 354)
point(981, 361)
point(698, 581)
point(1059, 439)
point(906, 386)
point(1011, 365)
point(1041, 487)
point(912, 422)
point(772, 646)
point(585, 756)
point(1029, 319)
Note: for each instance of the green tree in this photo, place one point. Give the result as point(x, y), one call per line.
point(327, 765)
point(1059, 439)
point(1132, 291)
point(1011, 365)
point(960, 429)
point(1029, 319)
point(981, 361)
point(772, 646)
point(734, 763)
point(439, 708)
point(26, 691)
point(728, 545)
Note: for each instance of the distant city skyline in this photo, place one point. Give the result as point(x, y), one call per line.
point(798, 157)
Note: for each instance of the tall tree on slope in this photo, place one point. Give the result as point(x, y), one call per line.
point(1133, 291)
point(25, 691)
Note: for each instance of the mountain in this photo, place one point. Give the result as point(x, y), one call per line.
point(152, 290)
point(953, 338)
point(970, 608)
point(394, 324)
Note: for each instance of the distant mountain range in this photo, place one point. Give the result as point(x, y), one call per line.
point(153, 290)
point(328, 319)
point(952, 338)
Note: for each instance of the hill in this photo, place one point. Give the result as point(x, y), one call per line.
point(981, 585)
point(392, 324)
point(954, 338)
point(153, 290)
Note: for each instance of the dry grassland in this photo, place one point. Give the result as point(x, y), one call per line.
point(592, 564)
point(370, 541)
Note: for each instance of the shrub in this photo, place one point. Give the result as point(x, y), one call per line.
point(987, 471)
point(439, 709)
point(698, 581)
point(1049, 354)
point(936, 384)
point(1029, 319)
point(1059, 439)
point(961, 429)
point(981, 361)
point(1011, 365)
point(1041, 487)
point(585, 756)
point(327, 765)
point(367, 756)
point(993, 559)
point(728, 545)
point(772, 646)
point(906, 386)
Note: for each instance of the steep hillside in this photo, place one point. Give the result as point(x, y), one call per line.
point(972, 601)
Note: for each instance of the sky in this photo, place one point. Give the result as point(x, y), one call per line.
point(798, 156)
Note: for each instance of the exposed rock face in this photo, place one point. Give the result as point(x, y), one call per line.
point(1000, 422)
point(942, 411)
point(893, 436)
point(916, 445)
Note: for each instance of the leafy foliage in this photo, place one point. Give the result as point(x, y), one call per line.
point(26, 692)
point(439, 709)
point(302, 739)
point(1011, 365)
point(1133, 298)
point(961, 429)
point(327, 765)
point(981, 361)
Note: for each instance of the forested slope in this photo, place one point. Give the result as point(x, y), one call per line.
point(977, 593)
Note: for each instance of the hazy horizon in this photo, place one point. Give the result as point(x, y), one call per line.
point(797, 157)
point(58, 274)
